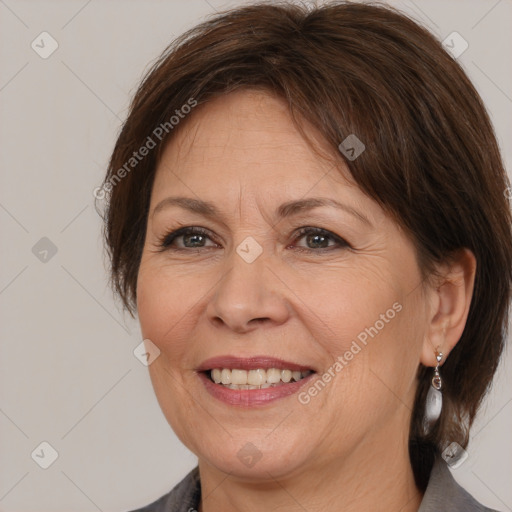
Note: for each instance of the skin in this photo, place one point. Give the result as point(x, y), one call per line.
point(347, 448)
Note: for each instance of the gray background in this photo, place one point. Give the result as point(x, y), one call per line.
point(68, 375)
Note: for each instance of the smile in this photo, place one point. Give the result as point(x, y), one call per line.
point(253, 381)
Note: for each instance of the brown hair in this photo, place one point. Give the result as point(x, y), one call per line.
point(431, 158)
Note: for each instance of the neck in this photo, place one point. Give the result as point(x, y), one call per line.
point(380, 480)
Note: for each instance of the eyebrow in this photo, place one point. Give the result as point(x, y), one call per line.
point(288, 209)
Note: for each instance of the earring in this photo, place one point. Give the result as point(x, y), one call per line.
point(434, 402)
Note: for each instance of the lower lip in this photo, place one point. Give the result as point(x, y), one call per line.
point(251, 397)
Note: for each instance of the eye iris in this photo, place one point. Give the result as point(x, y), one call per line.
point(320, 241)
point(195, 238)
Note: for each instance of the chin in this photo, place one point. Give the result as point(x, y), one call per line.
point(258, 460)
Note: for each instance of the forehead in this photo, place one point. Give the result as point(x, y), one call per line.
point(245, 135)
point(243, 153)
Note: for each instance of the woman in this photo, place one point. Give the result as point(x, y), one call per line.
point(308, 212)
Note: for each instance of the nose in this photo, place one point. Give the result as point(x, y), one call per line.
point(247, 296)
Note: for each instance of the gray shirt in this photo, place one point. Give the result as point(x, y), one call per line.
point(443, 494)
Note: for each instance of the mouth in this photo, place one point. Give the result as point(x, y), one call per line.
point(252, 381)
point(260, 378)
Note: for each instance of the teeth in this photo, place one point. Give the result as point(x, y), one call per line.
point(286, 375)
point(238, 377)
point(273, 375)
point(255, 379)
point(226, 377)
point(217, 376)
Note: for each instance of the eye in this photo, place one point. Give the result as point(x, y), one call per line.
point(318, 239)
point(191, 238)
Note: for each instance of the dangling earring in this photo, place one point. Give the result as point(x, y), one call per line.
point(434, 402)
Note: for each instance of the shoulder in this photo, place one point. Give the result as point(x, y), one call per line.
point(184, 497)
point(444, 493)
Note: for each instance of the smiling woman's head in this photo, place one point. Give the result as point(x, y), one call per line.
point(324, 188)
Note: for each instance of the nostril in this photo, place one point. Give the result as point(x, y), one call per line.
point(260, 320)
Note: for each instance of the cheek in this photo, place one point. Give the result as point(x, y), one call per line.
point(378, 314)
point(383, 372)
point(369, 331)
point(347, 308)
point(165, 308)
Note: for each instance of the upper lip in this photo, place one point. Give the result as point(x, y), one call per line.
point(250, 363)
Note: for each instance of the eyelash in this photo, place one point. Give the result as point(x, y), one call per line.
point(165, 241)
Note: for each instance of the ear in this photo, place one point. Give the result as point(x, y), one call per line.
point(449, 303)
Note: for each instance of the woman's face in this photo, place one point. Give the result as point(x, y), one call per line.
point(255, 292)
